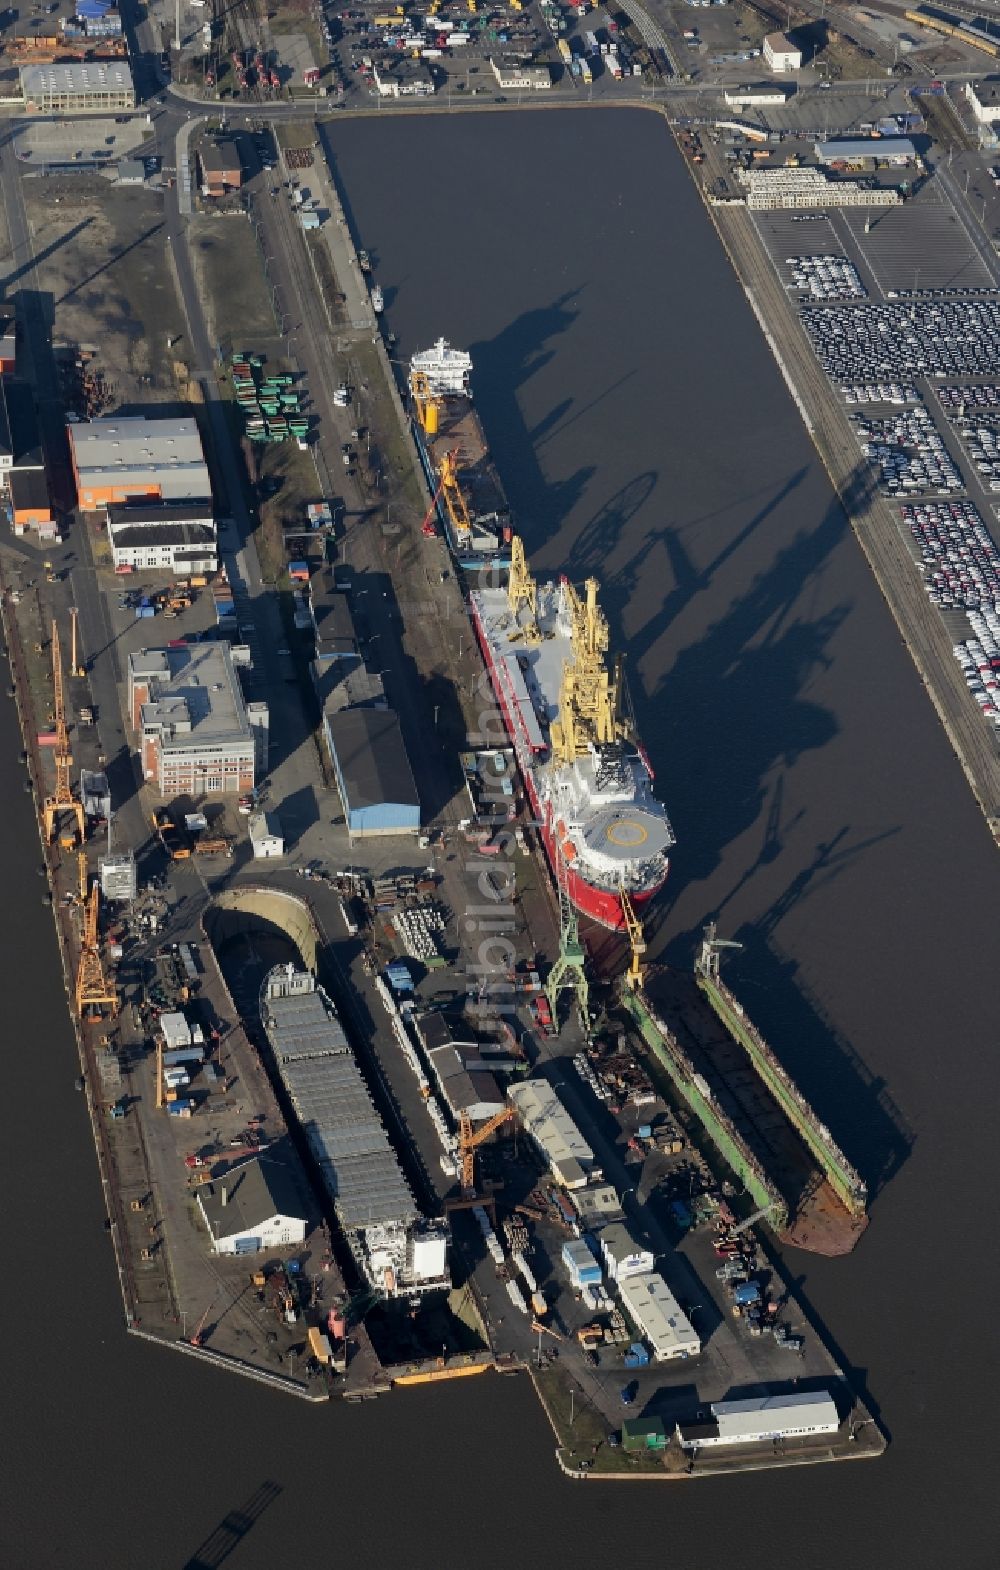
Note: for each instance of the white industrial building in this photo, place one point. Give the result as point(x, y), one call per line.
point(181, 539)
point(623, 1256)
point(96, 86)
point(266, 838)
point(513, 78)
point(984, 99)
point(570, 1158)
point(762, 1419)
point(653, 1309)
point(781, 53)
point(757, 95)
point(256, 1207)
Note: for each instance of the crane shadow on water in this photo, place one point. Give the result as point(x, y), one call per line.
point(233, 1529)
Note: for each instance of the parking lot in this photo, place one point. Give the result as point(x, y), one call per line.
point(922, 244)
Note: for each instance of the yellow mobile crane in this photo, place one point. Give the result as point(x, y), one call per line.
point(589, 694)
point(62, 799)
point(94, 993)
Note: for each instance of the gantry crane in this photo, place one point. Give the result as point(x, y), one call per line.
point(62, 799)
point(469, 1142)
point(636, 940)
point(707, 963)
point(94, 993)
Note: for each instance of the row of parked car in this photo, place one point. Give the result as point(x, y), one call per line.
point(952, 337)
point(979, 658)
point(827, 277)
point(961, 562)
point(880, 392)
point(909, 452)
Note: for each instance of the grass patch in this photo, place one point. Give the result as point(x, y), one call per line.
point(295, 134)
point(585, 1438)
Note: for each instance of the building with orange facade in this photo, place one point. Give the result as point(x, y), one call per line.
point(119, 459)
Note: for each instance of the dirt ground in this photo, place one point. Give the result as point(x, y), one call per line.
point(101, 253)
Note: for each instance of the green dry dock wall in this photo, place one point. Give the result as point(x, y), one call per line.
point(669, 1055)
point(843, 1179)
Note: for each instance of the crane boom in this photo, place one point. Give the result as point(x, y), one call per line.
point(636, 938)
point(469, 1142)
point(62, 799)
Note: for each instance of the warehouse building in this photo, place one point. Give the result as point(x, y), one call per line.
point(464, 1089)
point(104, 87)
point(763, 1419)
point(187, 707)
point(256, 1207)
point(373, 772)
point(347, 684)
point(30, 504)
point(867, 149)
point(513, 77)
point(180, 539)
point(134, 459)
point(332, 621)
point(781, 53)
point(569, 1157)
point(596, 1206)
point(623, 1256)
point(651, 1306)
point(984, 99)
point(757, 95)
point(404, 78)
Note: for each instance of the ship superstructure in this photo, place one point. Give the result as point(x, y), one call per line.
point(586, 775)
point(468, 496)
point(398, 1253)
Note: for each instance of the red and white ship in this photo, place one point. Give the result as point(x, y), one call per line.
point(586, 774)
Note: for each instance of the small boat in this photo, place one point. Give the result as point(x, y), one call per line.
point(80, 1082)
point(364, 261)
point(377, 300)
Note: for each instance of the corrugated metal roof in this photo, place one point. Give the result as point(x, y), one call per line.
point(338, 1117)
point(371, 758)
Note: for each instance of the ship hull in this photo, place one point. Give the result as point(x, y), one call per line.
point(600, 905)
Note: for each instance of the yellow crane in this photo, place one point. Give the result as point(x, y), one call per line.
point(636, 939)
point(75, 664)
point(522, 592)
point(469, 1142)
point(62, 799)
point(425, 402)
point(94, 993)
point(589, 694)
point(454, 501)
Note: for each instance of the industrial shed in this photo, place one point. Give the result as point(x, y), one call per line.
point(763, 1419)
point(651, 1306)
point(570, 1158)
point(253, 1208)
point(373, 772)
